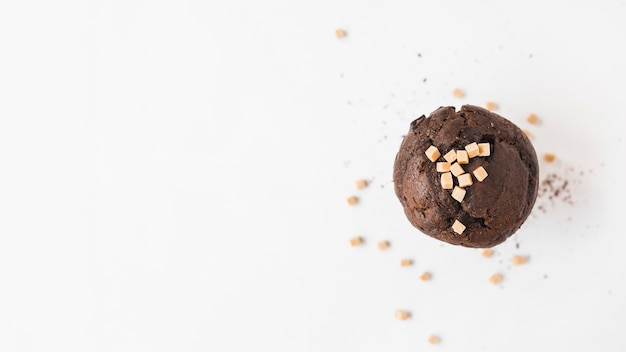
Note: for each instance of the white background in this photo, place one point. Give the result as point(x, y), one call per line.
point(173, 175)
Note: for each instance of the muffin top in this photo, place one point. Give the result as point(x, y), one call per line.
point(498, 200)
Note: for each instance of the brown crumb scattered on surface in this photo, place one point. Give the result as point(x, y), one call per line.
point(406, 262)
point(555, 187)
point(458, 93)
point(425, 276)
point(402, 314)
point(356, 241)
point(340, 33)
point(495, 279)
point(533, 119)
point(360, 184)
point(519, 259)
point(433, 339)
point(383, 245)
point(487, 252)
point(491, 106)
point(549, 157)
point(352, 200)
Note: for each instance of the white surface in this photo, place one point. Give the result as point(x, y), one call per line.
point(174, 174)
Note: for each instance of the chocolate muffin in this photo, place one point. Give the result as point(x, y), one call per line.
point(466, 177)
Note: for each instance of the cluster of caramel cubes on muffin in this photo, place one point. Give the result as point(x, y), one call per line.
point(453, 167)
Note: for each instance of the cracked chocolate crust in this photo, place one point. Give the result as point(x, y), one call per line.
point(492, 210)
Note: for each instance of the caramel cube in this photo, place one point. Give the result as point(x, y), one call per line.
point(458, 227)
point(491, 106)
point(458, 193)
point(352, 200)
point(548, 157)
point(443, 166)
point(432, 153)
point(433, 339)
point(462, 157)
point(532, 118)
point(495, 279)
point(356, 241)
point(446, 180)
point(472, 149)
point(425, 276)
point(402, 315)
point(360, 184)
point(458, 93)
point(383, 245)
point(484, 149)
point(340, 33)
point(519, 260)
point(487, 252)
point(456, 169)
point(480, 173)
point(406, 262)
point(450, 156)
point(465, 180)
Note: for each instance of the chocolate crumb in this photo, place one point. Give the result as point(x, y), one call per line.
point(553, 188)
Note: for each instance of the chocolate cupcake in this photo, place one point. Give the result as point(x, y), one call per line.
point(466, 177)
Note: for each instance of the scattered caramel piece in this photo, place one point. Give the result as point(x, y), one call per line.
point(425, 276)
point(443, 166)
point(461, 157)
point(491, 106)
point(360, 184)
point(432, 153)
point(456, 169)
point(532, 118)
point(527, 133)
point(433, 339)
point(383, 245)
point(472, 149)
point(549, 157)
point(352, 200)
point(458, 193)
point(450, 156)
point(446, 180)
point(406, 262)
point(356, 241)
point(487, 252)
point(495, 279)
point(458, 93)
point(465, 180)
point(458, 227)
point(519, 260)
point(484, 149)
point(402, 314)
point(480, 173)
point(340, 33)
